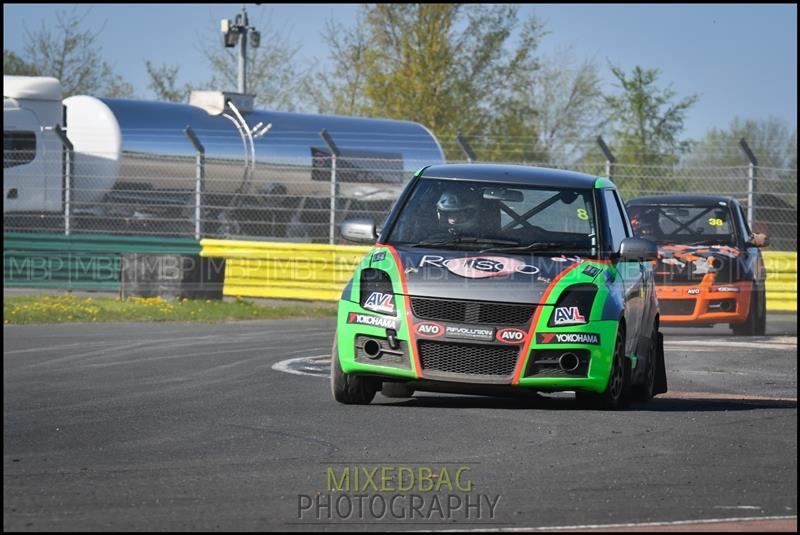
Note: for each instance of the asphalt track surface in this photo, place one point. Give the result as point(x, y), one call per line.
point(189, 426)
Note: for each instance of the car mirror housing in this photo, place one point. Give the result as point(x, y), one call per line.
point(638, 249)
point(360, 230)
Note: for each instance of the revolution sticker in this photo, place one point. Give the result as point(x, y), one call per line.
point(372, 321)
point(568, 338)
point(469, 333)
point(731, 289)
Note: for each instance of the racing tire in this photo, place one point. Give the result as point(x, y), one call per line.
point(350, 389)
point(647, 390)
point(396, 390)
point(618, 390)
point(756, 323)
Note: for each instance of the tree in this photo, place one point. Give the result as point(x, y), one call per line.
point(340, 90)
point(73, 56)
point(563, 105)
point(15, 65)
point(163, 82)
point(447, 66)
point(717, 162)
point(646, 122)
point(770, 139)
point(273, 74)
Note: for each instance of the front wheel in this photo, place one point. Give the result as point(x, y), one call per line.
point(350, 389)
point(647, 390)
point(617, 393)
point(756, 323)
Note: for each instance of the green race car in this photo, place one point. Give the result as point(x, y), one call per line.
point(490, 279)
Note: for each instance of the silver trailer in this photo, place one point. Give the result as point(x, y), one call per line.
point(261, 173)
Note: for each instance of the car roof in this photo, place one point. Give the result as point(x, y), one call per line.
point(510, 174)
point(680, 199)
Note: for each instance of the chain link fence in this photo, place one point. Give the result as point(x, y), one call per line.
point(294, 200)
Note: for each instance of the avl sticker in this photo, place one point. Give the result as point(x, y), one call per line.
point(568, 316)
point(380, 302)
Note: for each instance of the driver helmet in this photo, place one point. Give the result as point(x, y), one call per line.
point(458, 210)
point(647, 224)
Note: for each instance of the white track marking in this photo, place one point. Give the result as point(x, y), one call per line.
point(285, 365)
point(635, 524)
point(774, 343)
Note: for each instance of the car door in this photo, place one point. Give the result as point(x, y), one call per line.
point(631, 272)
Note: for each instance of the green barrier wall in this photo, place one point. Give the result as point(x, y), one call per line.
point(89, 261)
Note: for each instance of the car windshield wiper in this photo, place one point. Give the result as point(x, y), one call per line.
point(462, 239)
point(539, 246)
point(708, 242)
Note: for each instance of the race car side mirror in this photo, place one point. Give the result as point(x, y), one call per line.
point(359, 230)
point(638, 249)
point(758, 240)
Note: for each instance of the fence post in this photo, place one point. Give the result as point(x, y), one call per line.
point(326, 137)
point(610, 160)
point(466, 147)
point(62, 136)
point(199, 180)
point(751, 181)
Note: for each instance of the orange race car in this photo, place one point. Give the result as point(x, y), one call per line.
point(710, 268)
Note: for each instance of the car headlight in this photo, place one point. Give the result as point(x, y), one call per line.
point(376, 292)
point(573, 306)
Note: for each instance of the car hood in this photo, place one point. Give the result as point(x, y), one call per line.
point(688, 263)
point(492, 276)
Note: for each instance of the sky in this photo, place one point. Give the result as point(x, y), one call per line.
point(740, 58)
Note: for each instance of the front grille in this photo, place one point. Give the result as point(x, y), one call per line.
point(544, 363)
point(468, 359)
point(471, 311)
point(677, 307)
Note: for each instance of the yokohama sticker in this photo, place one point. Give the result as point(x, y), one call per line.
point(373, 321)
point(510, 335)
point(429, 329)
point(568, 338)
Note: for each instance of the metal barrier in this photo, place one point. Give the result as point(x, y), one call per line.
point(285, 270)
point(294, 200)
point(781, 281)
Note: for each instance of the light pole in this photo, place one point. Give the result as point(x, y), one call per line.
point(237, 32)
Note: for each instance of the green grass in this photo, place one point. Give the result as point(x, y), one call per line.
point(71, 309)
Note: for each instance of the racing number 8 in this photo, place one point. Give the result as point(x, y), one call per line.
point(715, 222)
point(583, 215)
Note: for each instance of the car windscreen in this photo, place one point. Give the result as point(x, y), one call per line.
point(488, 216)
point(683, 224)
